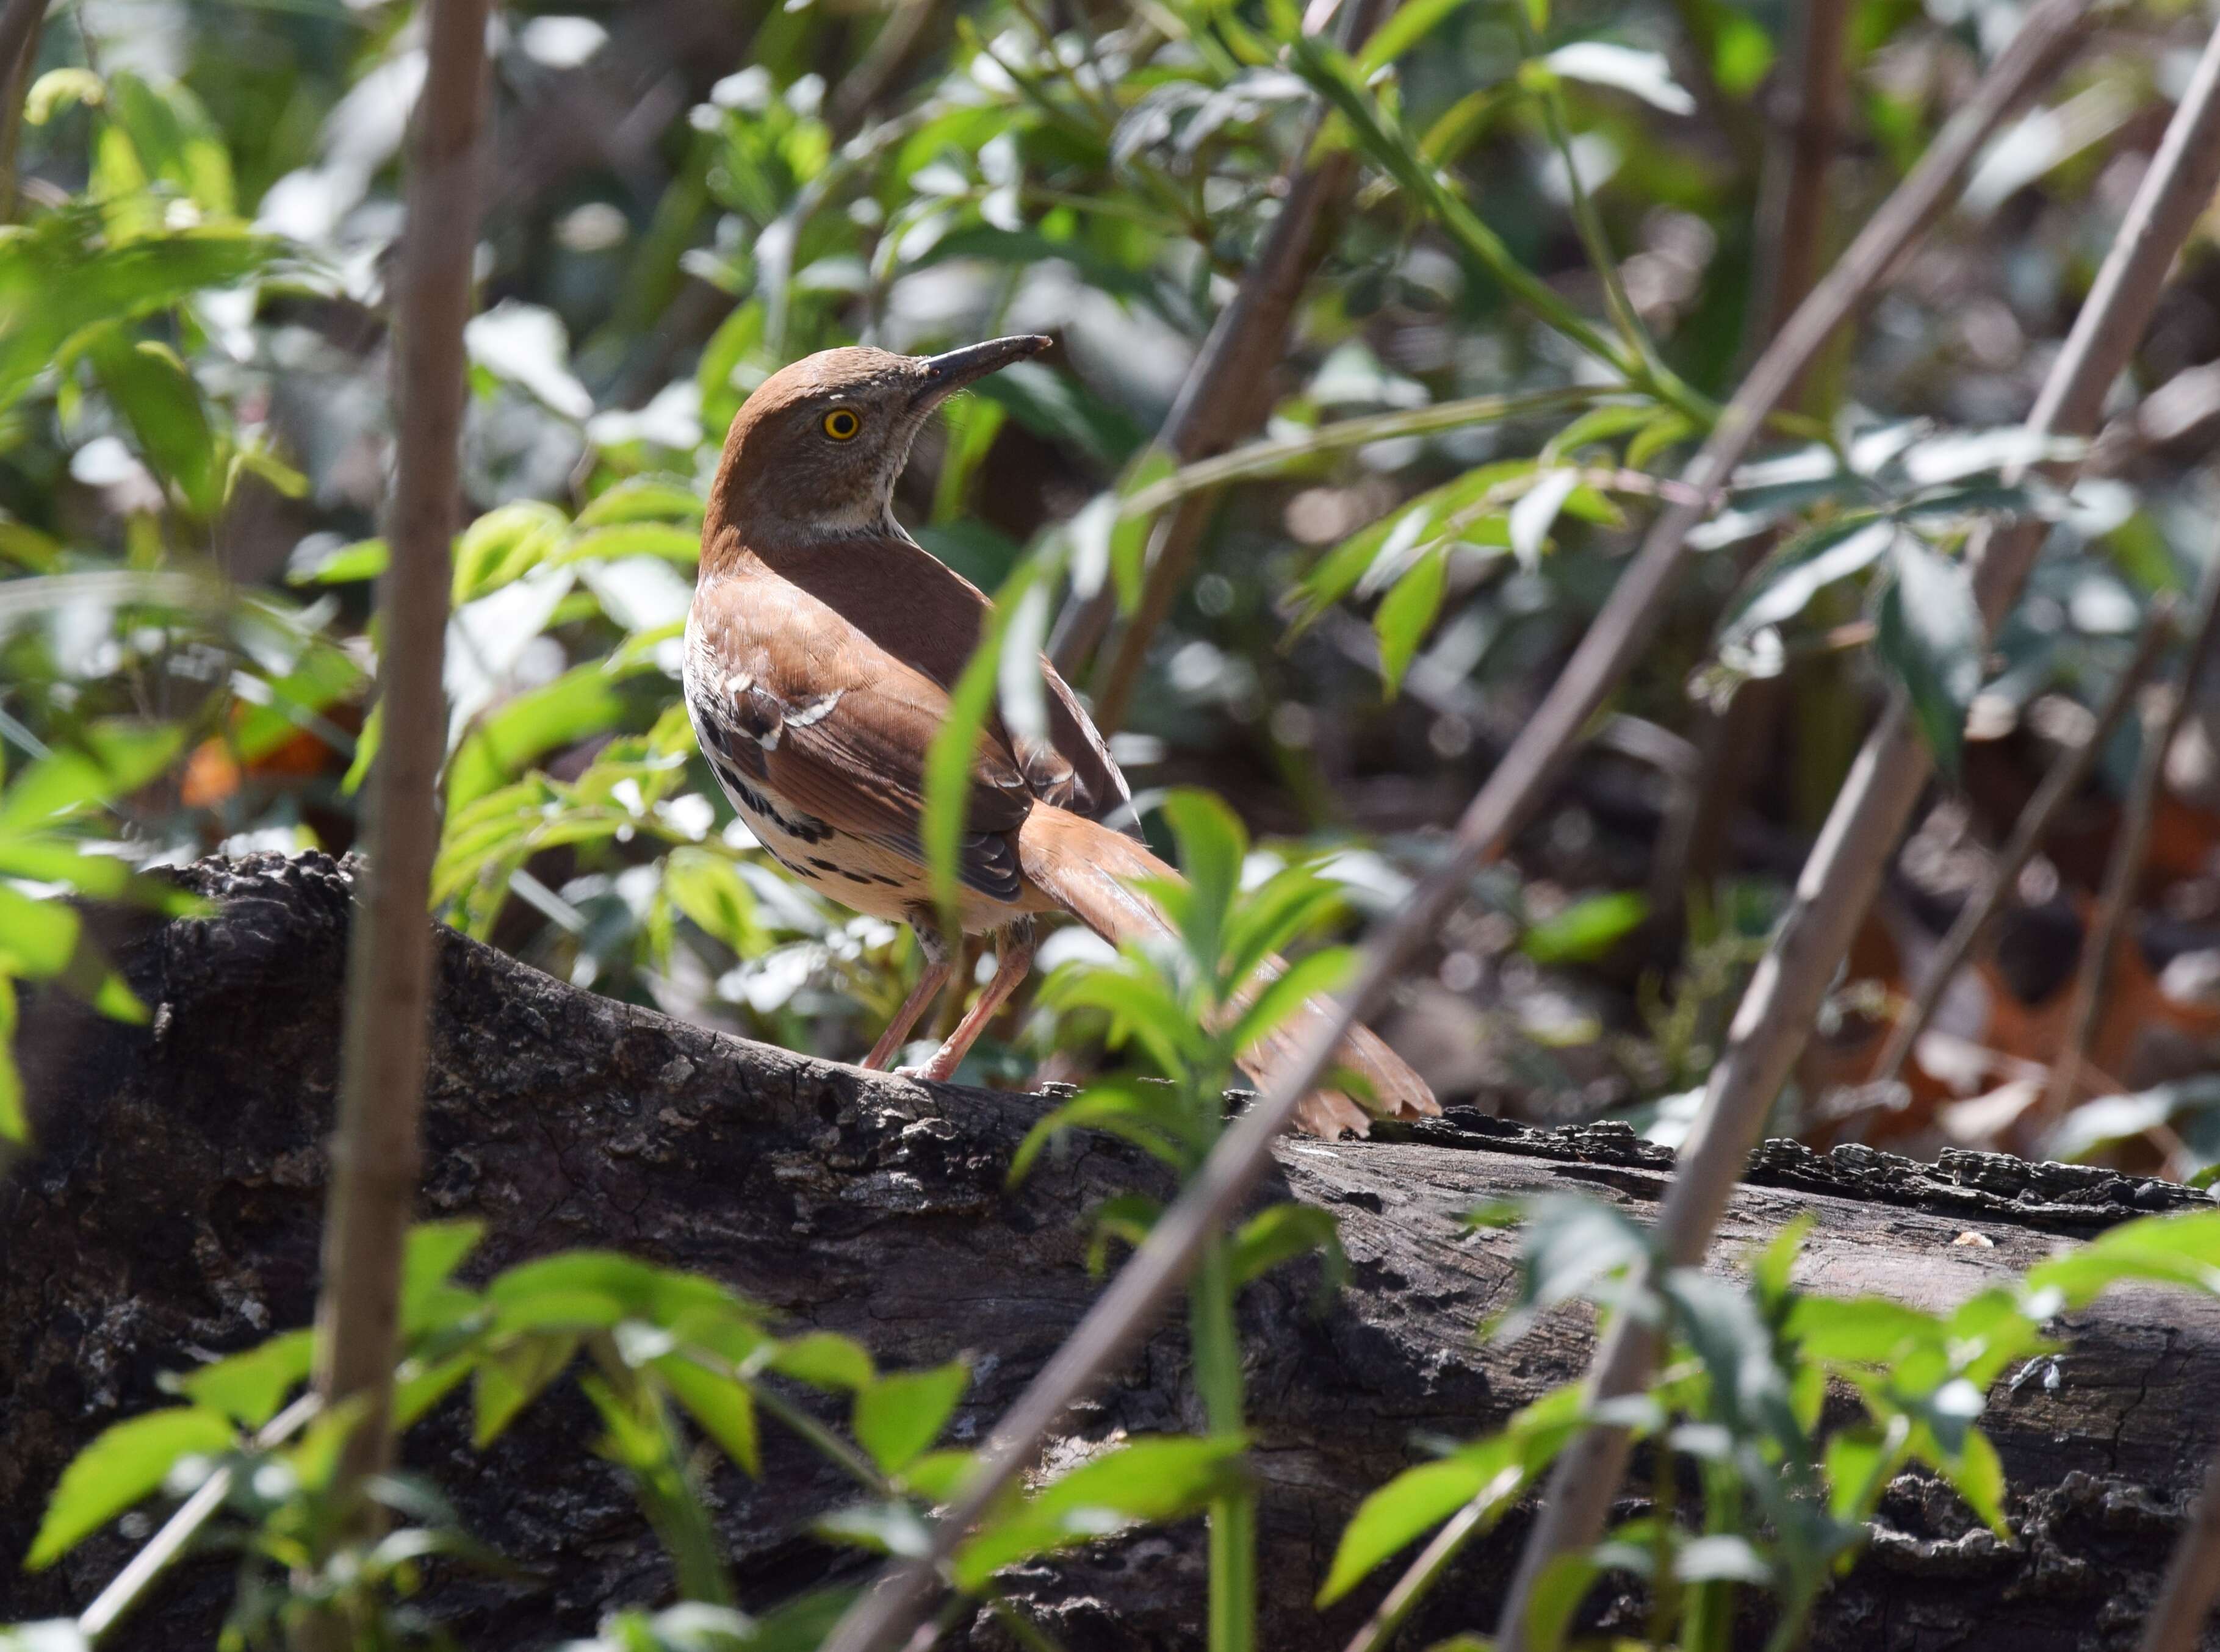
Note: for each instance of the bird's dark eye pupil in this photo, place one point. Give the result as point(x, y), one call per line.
point(841, 424)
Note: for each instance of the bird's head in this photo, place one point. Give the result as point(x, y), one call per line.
point(815, 449)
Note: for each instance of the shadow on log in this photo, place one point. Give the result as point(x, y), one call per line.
point(169, 1213)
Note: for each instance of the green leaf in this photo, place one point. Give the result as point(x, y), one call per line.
point(111, 760)
point(1587, 929)
point(2183, 1248)
point(1374, 555)
point(1408, 614)
point(1930, 635)
point(1410, 1505)
point(1804, 567)
point(505, 544)
point(898, 1417)
point(1571, 1245)
point(511, 1377)
point(38, 939)
point(124, 1463)
point(363, 559)
point(1646, 75)
point(584, 700)
point(824, 1359)
point(1150, 1116)
point(1977, 1474)
point(722, 1404)
point(1535, 512)
point(639, 538)
point(155, 393)
point(1721, 1557)
point(1494, 1471)
point(1860, 1464)
point(890, 1527)
point(249, 1386)
point(1281, 1234)
point(176, 141)
point(593, 1290)
point(1326, 971)
point(948, 759)
point(1862, 1330)
point(708, 888)
point(66, 273)
point(15, 1124)
point(1404, 28)
point(1564, 1583)
point(1213, 845)
point(1291, 905)
point(1129, 534)
point(1152, 1479)
point(643, 499)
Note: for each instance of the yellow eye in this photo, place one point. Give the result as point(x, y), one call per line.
point(841, 424)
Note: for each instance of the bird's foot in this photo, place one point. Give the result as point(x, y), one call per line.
point(938, 1070)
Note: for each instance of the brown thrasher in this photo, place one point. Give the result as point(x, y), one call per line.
point(820, 653)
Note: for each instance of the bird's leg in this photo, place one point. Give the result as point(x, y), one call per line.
point(1014, 960)
point(939, 966)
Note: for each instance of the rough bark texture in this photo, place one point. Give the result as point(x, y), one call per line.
point(171, 1209)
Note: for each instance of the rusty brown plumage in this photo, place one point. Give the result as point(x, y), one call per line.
point(821, 651)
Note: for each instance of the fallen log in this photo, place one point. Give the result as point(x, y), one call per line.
point(170, 1212)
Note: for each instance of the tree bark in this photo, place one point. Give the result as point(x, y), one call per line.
point(171, 1207)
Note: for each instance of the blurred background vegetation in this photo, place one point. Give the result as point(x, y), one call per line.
point(200, 199)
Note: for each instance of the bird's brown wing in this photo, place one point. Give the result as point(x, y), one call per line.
point(916, 608)
point(790, 699)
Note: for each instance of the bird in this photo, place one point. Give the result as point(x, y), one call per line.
point(820, 650)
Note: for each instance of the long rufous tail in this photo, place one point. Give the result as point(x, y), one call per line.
point(1089, 870)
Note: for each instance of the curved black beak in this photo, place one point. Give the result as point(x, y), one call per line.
point(944, 375)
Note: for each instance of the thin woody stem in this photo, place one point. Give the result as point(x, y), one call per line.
point(375, 1150)
point(1225, 398)
point(2163, 713)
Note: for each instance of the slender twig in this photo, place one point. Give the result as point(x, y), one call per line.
point(2059, 785)
point(1845, 867)
point(16, 66)
point(1155, 1273)
point(128, 1587)
point(1224, 398)
point(374, 1151)
point(1793, 212)
point(1794, 224)
point(2164, 710)
point(1270, 457)
point(19, 26)
point(2193, 1578)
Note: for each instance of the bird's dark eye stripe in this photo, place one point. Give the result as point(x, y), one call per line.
point(841, 424)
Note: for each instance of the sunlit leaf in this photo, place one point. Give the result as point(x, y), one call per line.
point(156, 394)
point(721, 1404)
point(510, 1377)
point(898, 1415)
point(1150, 1480)
point(60, 276)
point(824, 1359)
point(1646, 75)
point(1587, 929)
point(249, 1386)
point(112, 760)
point(1281, 1234)
point(1408, 614)
point(125, 1463)
point(1931, 636)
